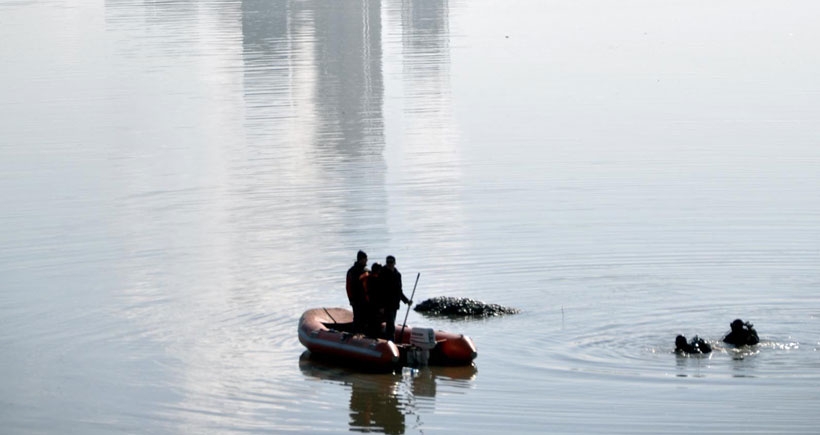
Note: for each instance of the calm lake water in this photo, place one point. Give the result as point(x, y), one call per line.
point(181, 179)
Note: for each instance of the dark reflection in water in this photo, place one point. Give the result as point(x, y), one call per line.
point(375, 404)
point(381, 402)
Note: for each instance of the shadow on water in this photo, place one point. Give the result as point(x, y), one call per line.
point(382, 402)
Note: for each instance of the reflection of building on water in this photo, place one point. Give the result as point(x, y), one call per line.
point(314, 93)
point(426, 48)
point(349, 114)
point(427, 144)
point(319, 62)
point(279, 78)
point(381, 402)
point(350, 88)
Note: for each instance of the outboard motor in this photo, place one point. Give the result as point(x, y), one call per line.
point(422, 341)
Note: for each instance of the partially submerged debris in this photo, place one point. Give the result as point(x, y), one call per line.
point(464, 307)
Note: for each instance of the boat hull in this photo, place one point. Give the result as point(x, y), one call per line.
point(326, 332)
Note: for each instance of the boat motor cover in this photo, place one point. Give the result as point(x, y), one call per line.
point(423, 338)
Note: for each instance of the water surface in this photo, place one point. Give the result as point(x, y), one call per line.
point(182, 179)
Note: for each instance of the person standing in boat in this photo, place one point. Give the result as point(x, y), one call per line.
point(374, 294)
point(392, 291)
point(354, 285)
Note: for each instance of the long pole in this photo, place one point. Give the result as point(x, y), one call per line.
point(401, 336)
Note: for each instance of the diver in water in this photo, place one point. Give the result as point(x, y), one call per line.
point(743, 333)
point(697, 345)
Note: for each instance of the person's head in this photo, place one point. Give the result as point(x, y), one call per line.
point(390, 262)
point(361, 258)
point(680, 341)
point(737, 325)
point(375, 268)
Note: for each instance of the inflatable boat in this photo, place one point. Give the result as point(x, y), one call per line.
point(328, 333)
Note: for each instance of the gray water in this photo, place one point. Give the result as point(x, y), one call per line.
point(180, 180)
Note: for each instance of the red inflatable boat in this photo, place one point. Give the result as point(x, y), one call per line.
point(326, 332)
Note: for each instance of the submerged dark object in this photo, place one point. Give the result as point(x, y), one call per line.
point(450, 306)
point(696, 346)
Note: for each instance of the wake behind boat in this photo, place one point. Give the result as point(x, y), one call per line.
point(327, 333)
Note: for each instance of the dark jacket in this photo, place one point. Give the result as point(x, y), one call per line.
point(740, 337)
point(391, 288)
point(354, 285)
point(373, 289)
point(697, 345)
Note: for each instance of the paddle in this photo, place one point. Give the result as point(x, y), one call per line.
point(403, 325)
